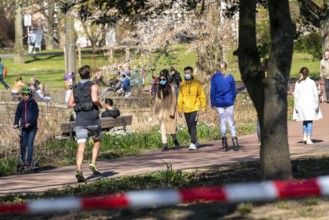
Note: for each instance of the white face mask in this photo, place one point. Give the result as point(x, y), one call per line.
point(187, 76)
point(162, 82)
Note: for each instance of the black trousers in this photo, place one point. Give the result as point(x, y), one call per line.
point(191, 121)
point(326, 82)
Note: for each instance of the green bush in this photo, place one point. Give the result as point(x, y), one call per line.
point(311, 44)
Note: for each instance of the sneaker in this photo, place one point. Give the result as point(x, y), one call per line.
point(120, 90)
point(192, 147)
point(309, 142)
point(27, 165)
point(128, 94)
point(94, 168)
point(197, 144)
point(80, 177)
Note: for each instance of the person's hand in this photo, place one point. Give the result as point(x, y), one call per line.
point(27, 125)
point(15, 126)
point(180, 114)
point(172, 116)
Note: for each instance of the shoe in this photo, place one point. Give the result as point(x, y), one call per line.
point(236, 146)
point(309, 142)
point(165, 147)
point(120, 90)
point(94, 168)
point(128, 94)
point(27, 165)
point(80, 177)
point(177, 146)
point(197, 144)
point(224, 143)
point(304, 141)
point(192, 147)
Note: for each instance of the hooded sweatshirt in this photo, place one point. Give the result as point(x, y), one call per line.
point(191, 97)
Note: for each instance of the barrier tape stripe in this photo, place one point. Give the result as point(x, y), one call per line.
point(262, 191)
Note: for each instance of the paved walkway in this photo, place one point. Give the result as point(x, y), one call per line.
point(206, 157)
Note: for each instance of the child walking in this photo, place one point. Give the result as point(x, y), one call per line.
point(26, 117)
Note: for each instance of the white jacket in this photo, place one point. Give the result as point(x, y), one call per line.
point(306, 101)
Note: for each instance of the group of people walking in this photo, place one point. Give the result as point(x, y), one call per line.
point(192, 101)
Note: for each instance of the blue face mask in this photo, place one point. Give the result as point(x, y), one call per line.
point(162, 82)
point(187, 76)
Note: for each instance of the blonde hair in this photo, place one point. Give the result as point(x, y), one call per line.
point(222, 67)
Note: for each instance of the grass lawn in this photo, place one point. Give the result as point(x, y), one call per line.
point(50, 69)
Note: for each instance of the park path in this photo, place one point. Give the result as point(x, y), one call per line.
point(207, 157)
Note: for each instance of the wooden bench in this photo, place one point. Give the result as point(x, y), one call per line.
point(68, 128)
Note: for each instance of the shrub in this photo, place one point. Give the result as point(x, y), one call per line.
point(311, 44)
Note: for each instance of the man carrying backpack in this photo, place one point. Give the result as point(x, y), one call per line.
point(2, 68)
point(86, 103)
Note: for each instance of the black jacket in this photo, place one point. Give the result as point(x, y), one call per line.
point(114, 113)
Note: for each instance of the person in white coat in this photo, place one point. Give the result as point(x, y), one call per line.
point(306, 104)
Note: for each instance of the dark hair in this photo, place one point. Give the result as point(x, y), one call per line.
point(166, 89)
point(188, 68)
point(18, 78)
point(84, 72)
point(0, 59)
point(304, 71)
point(172, 69)
point(109, 102)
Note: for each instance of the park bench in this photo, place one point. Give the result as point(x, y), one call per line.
point(68, 128)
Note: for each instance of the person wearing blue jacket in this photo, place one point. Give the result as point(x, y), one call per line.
point(26, 117)
point(222, 96)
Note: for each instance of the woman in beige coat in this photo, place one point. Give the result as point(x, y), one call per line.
point(166, 109)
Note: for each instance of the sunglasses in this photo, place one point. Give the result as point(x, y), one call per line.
point(162, 79)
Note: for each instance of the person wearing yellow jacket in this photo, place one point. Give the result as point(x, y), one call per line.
point(191, 98)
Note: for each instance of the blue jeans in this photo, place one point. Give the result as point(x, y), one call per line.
point(28, 136)
point(308, 127)
point(3, 82)
point(126, 85)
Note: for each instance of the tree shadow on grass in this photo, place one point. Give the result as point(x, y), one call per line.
point(43, 58)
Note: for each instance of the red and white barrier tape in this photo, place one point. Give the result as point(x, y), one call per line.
point(263, 191)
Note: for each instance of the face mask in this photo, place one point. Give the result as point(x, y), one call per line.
point(187, 76)
point(162, 82)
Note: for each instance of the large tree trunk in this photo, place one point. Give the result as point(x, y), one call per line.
point(324, 26)
point(19, 50)
point(50, 23)
point(70, 43)
point(269, 95)
point(275, 158)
